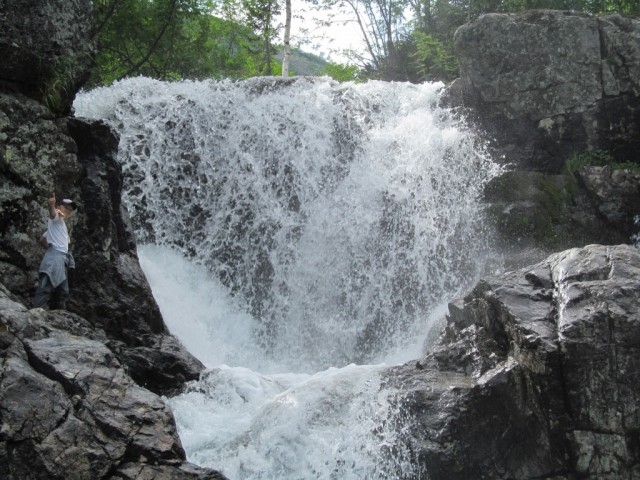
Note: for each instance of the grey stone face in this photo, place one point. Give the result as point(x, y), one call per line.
point(46, 42)
point(547, 84)
point(534, 375)
point(70, 410)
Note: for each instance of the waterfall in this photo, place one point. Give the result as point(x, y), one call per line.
point(298, 235)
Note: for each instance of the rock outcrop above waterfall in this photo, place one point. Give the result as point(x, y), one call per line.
point(46, 48)
point(547, 84)
point(543, 86)
point(535, 374)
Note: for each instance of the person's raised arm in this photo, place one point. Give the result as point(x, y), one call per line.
point(52, 205)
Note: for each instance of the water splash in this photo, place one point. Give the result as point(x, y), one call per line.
point(322, 207)
point(289, 425)
point(298, 234)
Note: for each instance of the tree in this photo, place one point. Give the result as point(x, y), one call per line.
point(341, 72)
point(286, 58)
point(172, 39)
point(132, 32)
point(434, 58)
point(260, 15)
point(382, 25)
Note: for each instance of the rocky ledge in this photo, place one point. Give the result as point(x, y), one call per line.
point(69, 410)
point(535, 375)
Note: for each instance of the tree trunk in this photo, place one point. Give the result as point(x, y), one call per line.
point(286, 59)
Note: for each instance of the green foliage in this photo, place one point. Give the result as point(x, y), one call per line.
point(216, 48)
point(174, 39)
point(479, 7)
point(627, 7)
point(135, 37)
point(260, 17)
point(595, 158)
point(58, 91)
point(589, 157)
point(435, 59)
point(341, 72)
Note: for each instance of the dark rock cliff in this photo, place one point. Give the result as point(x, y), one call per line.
point(42, 153)
point(69, 409)
point(46, 49)
point(79, 392)
point(544, 86)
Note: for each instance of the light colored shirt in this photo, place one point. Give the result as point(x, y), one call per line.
point(57, 234)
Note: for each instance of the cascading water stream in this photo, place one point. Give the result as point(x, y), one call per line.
point(298, 235)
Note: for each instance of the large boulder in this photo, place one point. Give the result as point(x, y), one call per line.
point(534, 376)
point(546, 84)
point(69, 410)
point(47, 48)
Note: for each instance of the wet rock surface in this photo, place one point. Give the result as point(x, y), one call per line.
point(543, 86)
point(69, 409)
point(43, 154)
point(535, 374)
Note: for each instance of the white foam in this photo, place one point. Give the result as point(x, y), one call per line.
point(297, 240)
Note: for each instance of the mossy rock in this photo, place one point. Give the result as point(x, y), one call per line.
point(549, 212)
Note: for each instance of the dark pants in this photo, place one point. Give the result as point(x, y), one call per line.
point(46, 291)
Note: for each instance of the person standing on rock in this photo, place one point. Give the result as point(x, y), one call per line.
point(53, 268)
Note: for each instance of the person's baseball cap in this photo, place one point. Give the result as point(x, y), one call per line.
point(69, 203)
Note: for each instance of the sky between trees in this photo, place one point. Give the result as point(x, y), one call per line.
point(403, 40)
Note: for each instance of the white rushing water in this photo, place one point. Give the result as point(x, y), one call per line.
point(299, 236)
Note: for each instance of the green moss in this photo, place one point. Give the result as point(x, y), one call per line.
point(552, 213)
point(532, 209)
point(587, 158)
point(595, 158)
